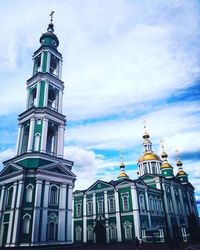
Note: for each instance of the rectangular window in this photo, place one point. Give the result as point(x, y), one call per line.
point(78, 210)
point(89, 208)
point(111, 205)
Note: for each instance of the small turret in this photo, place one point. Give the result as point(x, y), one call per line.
point(166, 169)
point(122, 174)
point(182, 176)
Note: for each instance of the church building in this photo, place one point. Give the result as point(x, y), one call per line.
point(36, 185)
point(154, 207)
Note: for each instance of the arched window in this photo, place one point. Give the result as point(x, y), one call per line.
point(89, 207)
point(78, 233)
point(125, 203)
point(37, 142)
point(128, 230)
point(9, 196)
point(90, 233)
point(25, 136)
point(111, 205)
point(26, 224)
point(113, 233)
point(54, 63)
point(52, 137)
point(78, 209)
point(153, 168)
point(29, 193)
point(100, 206)
point(53, 195)
point(142, 202)
point(145, 168)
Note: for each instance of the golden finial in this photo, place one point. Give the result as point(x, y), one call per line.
point(177, 154)
point(179, 163)
point(146, 135)
point(162, 143)
point(122, 159)
point(51, 15)
point(164, 154)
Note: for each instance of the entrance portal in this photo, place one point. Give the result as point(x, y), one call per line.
point(100, 233)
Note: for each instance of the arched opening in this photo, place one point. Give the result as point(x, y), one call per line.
point(25, 137)
point(37, 64)
point(32, 96)
point(100, 232)
point(37, 142)
point(54, 62)
point(52, 136)
point(29, 193)
point(53, 95)
point(9, 196)
point(26, 224)
point(53, 195)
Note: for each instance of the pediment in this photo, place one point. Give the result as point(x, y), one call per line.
point(99, 185)
point(10, 169)
point(58, 168)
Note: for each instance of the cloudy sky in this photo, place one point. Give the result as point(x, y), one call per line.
point(125, 61)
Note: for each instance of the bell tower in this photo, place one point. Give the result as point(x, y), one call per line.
point(36, 185)
point(41, 126)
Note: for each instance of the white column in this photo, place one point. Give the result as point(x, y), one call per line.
point(72, 219)
point(38, 94)
point(69, 215)
point(44, 135)
point(136, 214)
point(148, 208)
point(62, 213)
point(61, 131)
point(2, 197)
point(46, 91)
point(118, 221)
point(44, 212)
point(60, 69)
point(27, 97)
point(48, 61)
point(94, 214)
point(84, 220)
point(19, 136)
point(106, 216)
point(17, 213)
point(36, 212)
point(60, 99)
point(31, 135)
point(12, 214)
point(42, 61)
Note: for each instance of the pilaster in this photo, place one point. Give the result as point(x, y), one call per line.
point(136, 214)
point(84, 220)
point(62, 213)
point(69, 214)
point(118, 220)
point(44, 135)
point(19, 135)
point(148, 208)
point(36, 212)
point(44, 212)
point(38, 94)
point(106, 216)
point(31, 135)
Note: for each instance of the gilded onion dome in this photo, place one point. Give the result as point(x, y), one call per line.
point(149, 156)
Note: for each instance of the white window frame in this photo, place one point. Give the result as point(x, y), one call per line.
point(142, 203)
point(90, 234)
point(89, 207)
point(100, 206)
point(128, 225)
point(29, 192)
point(54, 200)
point(78, 233)
point(111, 201)
point(26, 224)
point(78, 209)
point(125, 205)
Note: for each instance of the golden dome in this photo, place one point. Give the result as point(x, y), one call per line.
point(166, 165)
point(149, 157)
point(179, 163)
point(123, 175)
point(146, 135)
point(181, 172)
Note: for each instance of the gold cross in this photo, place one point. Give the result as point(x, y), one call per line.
point(121, 156)
point(51, 15)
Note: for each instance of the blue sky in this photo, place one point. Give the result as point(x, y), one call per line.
point(124, 62)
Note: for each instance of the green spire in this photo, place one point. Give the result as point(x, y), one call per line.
point(122, 175)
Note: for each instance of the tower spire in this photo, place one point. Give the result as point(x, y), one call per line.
point(51, 15)
point(122, 174)
point(51, 26)
point(181, 175)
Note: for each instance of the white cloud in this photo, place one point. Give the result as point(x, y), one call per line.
point(7, 154)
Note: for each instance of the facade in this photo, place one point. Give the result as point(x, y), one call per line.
point(154, 207)
point(36, 185)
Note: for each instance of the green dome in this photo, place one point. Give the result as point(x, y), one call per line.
point(49, 38)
